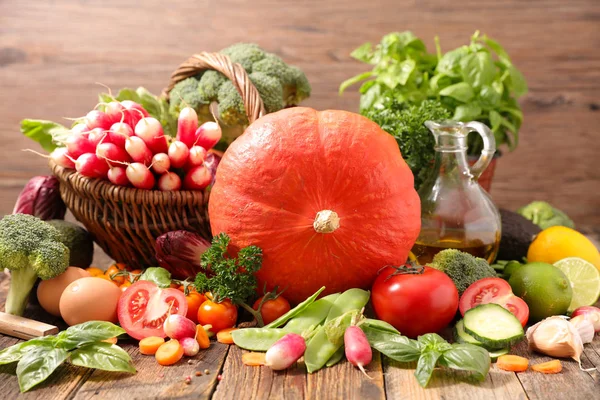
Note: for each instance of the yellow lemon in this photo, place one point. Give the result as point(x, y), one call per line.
point(558, 242)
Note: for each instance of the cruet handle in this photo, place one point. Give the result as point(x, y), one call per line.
point(489, 147)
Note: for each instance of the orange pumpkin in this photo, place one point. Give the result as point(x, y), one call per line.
point(326, 196)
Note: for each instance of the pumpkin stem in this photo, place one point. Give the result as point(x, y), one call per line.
point(326, 221)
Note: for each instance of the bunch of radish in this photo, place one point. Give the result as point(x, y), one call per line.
point(126, 146)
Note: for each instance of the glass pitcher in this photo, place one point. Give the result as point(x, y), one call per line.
point(455, 211)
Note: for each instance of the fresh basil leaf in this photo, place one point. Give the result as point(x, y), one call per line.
point(105, 98)
point(157, 275)
point(460, 91)
point(11, 354)
point(467, 112)
point(36, 366)
point(426, 365)
point(496, 47)
point(47, 133)
point(433, 341)
point(478, 69)
point(364, 53)
point(104, 356)
point(128, 94)
point(397, 347)
point(495, 120)
point(449, 64)
point(396, 74)
point(517, 81)
point(467, 357)
point(440, 81)
point(370, 96)
point(355, 79)
point(16, 352)
point(88, 332)
point(489, 96)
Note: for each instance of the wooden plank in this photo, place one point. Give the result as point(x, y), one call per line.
point(251, 383)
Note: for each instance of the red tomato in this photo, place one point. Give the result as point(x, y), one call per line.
point(494, 290)
point(111, 272)
point(272, 309)
point(143, 308)
point(221, 315)
point(414, 303)
point(194, 301)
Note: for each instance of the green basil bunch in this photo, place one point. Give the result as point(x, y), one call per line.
point(429, 350)
point(81, 345)
point(475, 82)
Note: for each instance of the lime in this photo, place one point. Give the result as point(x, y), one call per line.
point(585, 281)
point(545, 288)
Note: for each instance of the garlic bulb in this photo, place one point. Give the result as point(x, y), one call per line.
point(584, 327)
point(555, 337)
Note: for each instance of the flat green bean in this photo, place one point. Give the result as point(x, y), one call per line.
point(295, 311)
point(313, 315)
point(336, 357)
point(320, 349)
point(257, 339)
point(351, 299)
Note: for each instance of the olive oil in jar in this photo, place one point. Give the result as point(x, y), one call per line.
point(424, 252)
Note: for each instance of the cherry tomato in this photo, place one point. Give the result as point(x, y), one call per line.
point(221, 315)
point(194, 301)
point(132, 274)
point(272, 309)
point(494, 290)
point(111, 271)
point(94, 271)
point(143, 308)
point(423, 301)
point(124, 285)
point(190, 289)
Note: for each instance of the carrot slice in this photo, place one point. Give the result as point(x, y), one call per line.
point(550, 367)
point(112, 340)
point(202, 337)
point(254, 359)
point(149, 345)
point(169, 353)
point(512, 363)
point(224, 336)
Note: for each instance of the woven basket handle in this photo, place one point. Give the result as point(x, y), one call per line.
point(235, 72)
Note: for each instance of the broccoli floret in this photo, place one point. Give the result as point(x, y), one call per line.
point(209, 85)
point(463, 268)
point(186, 93)
point(544, 215)
point(30, 248)
point(245, 54)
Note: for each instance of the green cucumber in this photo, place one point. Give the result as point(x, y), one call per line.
point(493, 325)
point(497, 353)
point(463, 337)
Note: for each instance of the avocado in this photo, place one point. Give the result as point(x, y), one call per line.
point(78, 240)
point(517, 234)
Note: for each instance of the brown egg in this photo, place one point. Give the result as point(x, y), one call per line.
point(90, 299)
point(49, 291)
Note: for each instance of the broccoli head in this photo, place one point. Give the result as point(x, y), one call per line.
point(279, 85)
point(544, 215)
point(463, 268)
point(30, 248)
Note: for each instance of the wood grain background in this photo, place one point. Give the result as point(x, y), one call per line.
point(53, 52)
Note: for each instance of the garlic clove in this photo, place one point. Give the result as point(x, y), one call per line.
point(555, 337)
point(584, 327)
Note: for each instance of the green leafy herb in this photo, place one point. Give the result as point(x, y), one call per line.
point(473, 82)
point(157, 275)
point(230, 277)
point(430, 350)
point(47, 133)
point(80, 344)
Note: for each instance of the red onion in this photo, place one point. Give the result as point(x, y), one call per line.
point(179, 252)
point(41, 198)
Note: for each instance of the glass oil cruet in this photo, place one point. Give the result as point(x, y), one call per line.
point(455, 211)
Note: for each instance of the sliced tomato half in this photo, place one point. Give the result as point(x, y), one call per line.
point(494, 290)
point(143, 308)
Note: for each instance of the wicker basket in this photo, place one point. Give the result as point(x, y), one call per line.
point(125, 222)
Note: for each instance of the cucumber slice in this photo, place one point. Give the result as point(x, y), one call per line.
point(497, 353)
point(463, 337)
point(493, 325)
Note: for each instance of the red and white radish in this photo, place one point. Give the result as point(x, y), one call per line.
point(112, 153)
point(78, 144)
point(97, 119)
point(133, 112)
point(197, 156)
point(285, 352)
point(357, 347)
point(169, 181)
point(97, 136)
point(197, 178)
point(208, 135)
point(117, 176)
point(178, 327)
point(187, 124)
point(590, 313)
point(114, 111)
point(61, 157)
point(91, 165)
point(151, 132)
point(161, 163)
point(140, 176)
point(178, 154)
point(190, 346)
point(80, 128)
point(138, 150)
point(119, 132)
